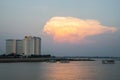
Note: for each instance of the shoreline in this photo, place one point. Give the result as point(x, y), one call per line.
point(15, 60)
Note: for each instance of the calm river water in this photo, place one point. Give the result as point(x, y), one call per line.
point(81, 70)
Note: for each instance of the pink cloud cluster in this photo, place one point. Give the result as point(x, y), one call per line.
point(70, 29)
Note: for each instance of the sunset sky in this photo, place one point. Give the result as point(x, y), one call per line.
point(67, 27)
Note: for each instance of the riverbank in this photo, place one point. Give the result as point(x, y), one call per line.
point(13, 60)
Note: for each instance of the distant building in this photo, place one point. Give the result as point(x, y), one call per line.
point(32, 45)
point(14, 46)
point(10, 46)
point(19, 47)
point(29, 45)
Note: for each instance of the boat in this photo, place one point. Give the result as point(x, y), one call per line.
point(108, 61)
point(52, 61)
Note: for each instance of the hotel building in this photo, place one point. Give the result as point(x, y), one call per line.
point(32, 45)
point(14, 46)
point(29, 45)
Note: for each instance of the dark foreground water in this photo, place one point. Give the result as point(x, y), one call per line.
point(81, 70)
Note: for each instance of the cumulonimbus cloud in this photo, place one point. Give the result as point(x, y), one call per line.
point(70, 29)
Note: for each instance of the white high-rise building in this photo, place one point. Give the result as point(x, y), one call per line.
point(19, 47)
point(32, 45)
point(14, 46)
point(29, 45)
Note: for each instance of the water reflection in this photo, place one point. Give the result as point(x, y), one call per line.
point(81, 70)
point(68, 71)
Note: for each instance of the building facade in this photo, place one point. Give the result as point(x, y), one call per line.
point(29, 45)
point(14, 46)
point(10, 46)
point(19, 47)
point(32, 45)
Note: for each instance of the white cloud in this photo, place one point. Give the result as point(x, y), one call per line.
point(70, 29)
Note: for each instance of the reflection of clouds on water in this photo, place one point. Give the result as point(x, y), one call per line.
point(66, 71)
point(81, 70)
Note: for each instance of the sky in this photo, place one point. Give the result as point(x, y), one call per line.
point(67, 27)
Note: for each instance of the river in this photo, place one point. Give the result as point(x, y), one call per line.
point(76, 70)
